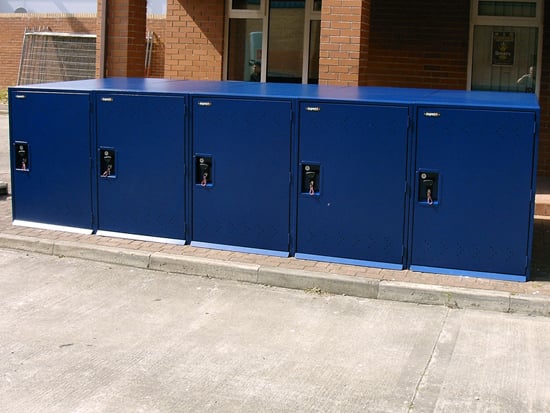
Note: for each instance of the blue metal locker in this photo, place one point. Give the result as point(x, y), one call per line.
point(141, 166)
point(241, 191)
point(50, 139)
point(353, 175)
point(474, 191)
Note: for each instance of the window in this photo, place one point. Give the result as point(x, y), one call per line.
point(273, 40)
point(505, 45)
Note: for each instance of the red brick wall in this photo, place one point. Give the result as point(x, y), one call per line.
point(194, 39)
point(340, 45)
point(421, 43)
point(157, 25)
point(12, 30)
point(544, 99)
point(126, 40)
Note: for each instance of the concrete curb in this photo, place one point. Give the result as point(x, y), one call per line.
point(204, 267)
point(528, 304)
point(452, 297)
point(309, 280)
point(16, 242)
point(131, 258)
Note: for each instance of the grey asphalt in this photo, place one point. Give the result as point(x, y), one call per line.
point(85, 336)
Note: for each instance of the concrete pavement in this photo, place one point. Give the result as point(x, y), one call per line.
point(334, 283)
point(86, 336)
point(457, 292)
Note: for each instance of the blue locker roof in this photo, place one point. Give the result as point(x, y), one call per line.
point(365, 94)
point(233, 88)
point(298, 91)
point(480, 99)
point(119, 84)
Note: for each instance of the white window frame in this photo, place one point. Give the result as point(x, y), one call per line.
point(477, 20)
point(263, 14)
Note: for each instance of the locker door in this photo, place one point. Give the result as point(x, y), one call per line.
point(482, 164)
point(245, 148)
point(141, 165)
point(356, 207)
point(51, 158)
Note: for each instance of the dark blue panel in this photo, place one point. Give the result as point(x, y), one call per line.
point(359, 210)
point(56, 189)
point(146, 193)
point(246, 204)
point(484, 162)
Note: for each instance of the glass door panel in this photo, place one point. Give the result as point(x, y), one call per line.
point(504, 58)
point(285, 45)
point(314, 42)
point(245, 4)
point(245, 49)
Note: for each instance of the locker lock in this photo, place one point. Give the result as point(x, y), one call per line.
point(310, 179)
point(203, 171)
point(107, 163)
point(428, 187)
point(21, 150)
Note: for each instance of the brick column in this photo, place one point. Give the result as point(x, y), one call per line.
point(366, 14)
point(343, 55)
point(125, 44)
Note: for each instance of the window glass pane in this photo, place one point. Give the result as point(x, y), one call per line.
point(245, 4)
point(504, 58)
point(245, 49)
point(507, 8)
point(286, 41)
point(317, 5)
point(314, 40)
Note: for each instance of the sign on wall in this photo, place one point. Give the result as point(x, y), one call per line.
point(503, 48)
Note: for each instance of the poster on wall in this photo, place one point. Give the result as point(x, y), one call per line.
point(503, 48)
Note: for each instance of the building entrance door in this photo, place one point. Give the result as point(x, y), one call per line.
point(505, 45)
